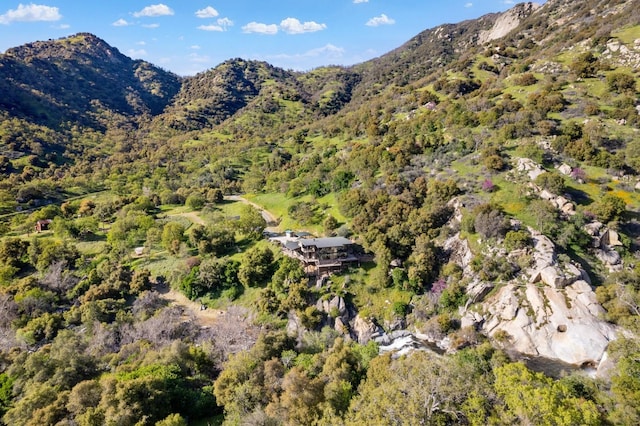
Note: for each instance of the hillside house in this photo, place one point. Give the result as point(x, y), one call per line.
point(320, 256)
point(43, 225)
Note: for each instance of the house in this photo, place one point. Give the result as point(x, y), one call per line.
point(43, 225)
point(319, 255)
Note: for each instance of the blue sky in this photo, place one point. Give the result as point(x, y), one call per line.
point(189, 36)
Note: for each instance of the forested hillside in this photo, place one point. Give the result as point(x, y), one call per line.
point(483, 180)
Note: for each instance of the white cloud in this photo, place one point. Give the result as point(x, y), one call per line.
point(31, 13)
point(294, 26)
point(360, 1)
point(133, 53)
point(222, 25)
point(468, 5)
point(155, 10)
point(121, 23)
point(256, 27)
point(141, 43)
point(380, 20)
point(328, 50)
point(62, 27)
point(200, 59)
point(225, 22)
point(195, 47)
point(211, 27)
point(151, 25)
point(207, 12)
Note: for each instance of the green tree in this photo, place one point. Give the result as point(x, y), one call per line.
point(195, 201)
point(251, 222)
point(533, 398)
point(172, 236)
point(256, 267)
point(552, 182)
point(609, 207)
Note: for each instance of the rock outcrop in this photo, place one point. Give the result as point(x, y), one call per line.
point(555, 314)
point(539, 320)
point(508, 22)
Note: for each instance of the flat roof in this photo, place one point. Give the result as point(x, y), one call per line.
point(325, 242)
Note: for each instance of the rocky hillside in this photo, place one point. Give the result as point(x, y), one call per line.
point(80, 79)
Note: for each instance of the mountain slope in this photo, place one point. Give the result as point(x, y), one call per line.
point(79, 78)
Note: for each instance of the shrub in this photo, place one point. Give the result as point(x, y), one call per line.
point(195, 201)
point(609, 207)
point(400, 309)
point(494, 163)
point(489, 221)
point(515, 240)
point(621, 82)
point(526, 79)
point(488, 186)
point(552, 182)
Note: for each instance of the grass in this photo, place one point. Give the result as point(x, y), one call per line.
point(371, 299)
point(159, 263)
point(628, 35)
point(91, 248)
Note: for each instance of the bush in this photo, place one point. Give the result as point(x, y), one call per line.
point(552, 182)
point(526, 79)
point(489, 221)
point(494, 163)
point(195, 201)
point(515, 240)
point(400, 309)
point(621, 82)
point(610, 207)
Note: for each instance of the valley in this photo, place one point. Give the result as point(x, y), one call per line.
point(475, 193)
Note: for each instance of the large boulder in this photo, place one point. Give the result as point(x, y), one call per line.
point(530, 167)
point(364, 330)
point(552, 323)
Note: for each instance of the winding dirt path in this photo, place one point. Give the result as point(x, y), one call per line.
point(192, 216)
point(272, 221)
point(204, 317)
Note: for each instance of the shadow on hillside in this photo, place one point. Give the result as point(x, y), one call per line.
point(579, 197)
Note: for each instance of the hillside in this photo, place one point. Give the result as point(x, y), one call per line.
point(80, 79)
point(482, 182)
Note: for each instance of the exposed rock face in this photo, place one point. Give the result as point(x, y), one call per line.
point(549, 322)
point(554, 315)
point(565, 169)
point(529, 166)
point(508, 22)
point(546, 269)
point(365, 330)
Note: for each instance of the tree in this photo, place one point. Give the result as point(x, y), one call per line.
point(609, 207)
point(552, 182)
point(489, 221)
point(195, 201)
point(533, 398)
point(585, 65)
point(423, 263)
point(86, 207)
point(256, 267)
point(251, 222)
point(621, 82)
point(330, 224)
point(625, 382)
point(172, 236)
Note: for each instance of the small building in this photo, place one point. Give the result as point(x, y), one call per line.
point(43, 225)
point(319, 255)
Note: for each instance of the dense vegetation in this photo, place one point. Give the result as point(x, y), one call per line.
point(134, 169)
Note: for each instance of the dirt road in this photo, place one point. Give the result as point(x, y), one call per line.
point(192, 216)
point(272, 221)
